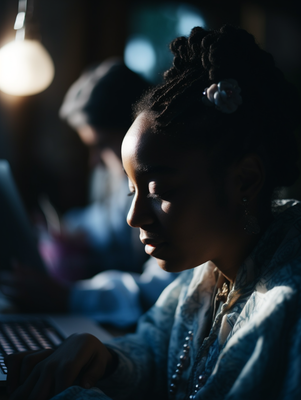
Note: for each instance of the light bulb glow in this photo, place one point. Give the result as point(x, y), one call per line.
point(25, 68)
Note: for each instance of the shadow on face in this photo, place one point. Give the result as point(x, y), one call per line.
point(175, 204)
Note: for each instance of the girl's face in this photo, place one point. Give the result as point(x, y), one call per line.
point(176, 204)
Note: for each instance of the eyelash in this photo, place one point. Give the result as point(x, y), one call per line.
point(154, 196)
point(149, 196)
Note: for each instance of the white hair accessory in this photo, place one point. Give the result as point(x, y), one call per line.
point(225, 96)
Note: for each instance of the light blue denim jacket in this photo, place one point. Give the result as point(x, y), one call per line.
point(253, 350)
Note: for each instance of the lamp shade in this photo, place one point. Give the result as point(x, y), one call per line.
point(25, 68)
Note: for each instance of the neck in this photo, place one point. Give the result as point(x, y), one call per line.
point(244, 244)
point(230, 264)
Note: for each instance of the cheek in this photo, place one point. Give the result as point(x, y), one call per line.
point(175, 217)
point(170, 214)
point(163, 210)
point(166, 207)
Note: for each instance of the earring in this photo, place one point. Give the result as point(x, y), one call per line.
point(251, 223)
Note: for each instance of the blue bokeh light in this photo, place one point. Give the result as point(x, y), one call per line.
point(153, 27)
point(140, 55)
point(188, 20)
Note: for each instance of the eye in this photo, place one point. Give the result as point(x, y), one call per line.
point(154, 196)
point(131, 188)
point(156, 191)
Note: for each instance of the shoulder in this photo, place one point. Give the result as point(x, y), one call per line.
point(284, 282)
point(292, 273)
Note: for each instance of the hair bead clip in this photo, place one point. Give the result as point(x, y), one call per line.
point(225, 96)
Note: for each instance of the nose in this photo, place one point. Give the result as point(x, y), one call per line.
point(140, 213)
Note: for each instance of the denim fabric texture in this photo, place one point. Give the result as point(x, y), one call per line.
point(253, 349)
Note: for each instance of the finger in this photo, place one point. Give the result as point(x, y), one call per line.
point(43, 387)
point(70, 371)
point(30, 361)
point(14, 364)
point(20, 365)
point(23, 391)
point(20, 393)
point(93, 372)
point(65, 378)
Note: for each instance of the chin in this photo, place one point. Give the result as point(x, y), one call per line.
point(178, 264)
point(171, 265)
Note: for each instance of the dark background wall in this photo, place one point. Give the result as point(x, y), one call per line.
point(45, 154)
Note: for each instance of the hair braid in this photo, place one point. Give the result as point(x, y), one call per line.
point(265, 121)
point(169, 98)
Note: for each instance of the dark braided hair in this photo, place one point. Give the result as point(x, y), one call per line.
point(264, 123)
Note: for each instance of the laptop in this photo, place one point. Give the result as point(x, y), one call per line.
point(17, 238)
point(21, 332)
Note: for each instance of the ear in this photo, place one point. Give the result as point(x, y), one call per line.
point(250, 177)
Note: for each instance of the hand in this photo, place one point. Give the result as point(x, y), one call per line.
point(43, 374)
point(33, 291)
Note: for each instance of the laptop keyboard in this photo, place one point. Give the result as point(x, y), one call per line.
point(16, 336)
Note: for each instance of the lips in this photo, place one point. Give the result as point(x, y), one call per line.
point(152, 246)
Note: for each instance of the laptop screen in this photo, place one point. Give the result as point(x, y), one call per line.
point(17, 236)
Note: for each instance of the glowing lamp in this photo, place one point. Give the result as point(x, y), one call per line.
point(26, 67)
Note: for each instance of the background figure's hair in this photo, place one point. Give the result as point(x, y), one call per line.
point(103, 96)
point(264, 123)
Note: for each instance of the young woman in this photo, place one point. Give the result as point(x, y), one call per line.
point(204, 156)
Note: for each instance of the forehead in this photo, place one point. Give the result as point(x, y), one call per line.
point(147, 150)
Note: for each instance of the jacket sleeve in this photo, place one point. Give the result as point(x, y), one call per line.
point(79, 393)
point(119, 298)
point(142, 366)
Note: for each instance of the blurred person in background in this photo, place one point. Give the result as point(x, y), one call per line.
point(98, 106)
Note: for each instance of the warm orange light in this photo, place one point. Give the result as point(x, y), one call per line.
point(25, 68)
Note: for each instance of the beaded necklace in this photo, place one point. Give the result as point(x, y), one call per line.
point(184, 359)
